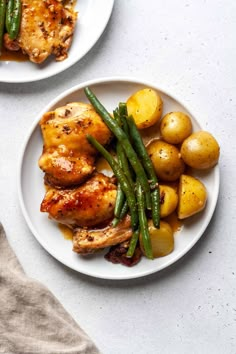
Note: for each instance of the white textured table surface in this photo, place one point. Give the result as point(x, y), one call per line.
point(187, 47)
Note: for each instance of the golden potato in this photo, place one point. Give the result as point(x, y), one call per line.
point(162, 239)
point(200, 150)
point(146, 107)
point(168, 199)
point(175, 127)
point(192, 196)
point(166, 159)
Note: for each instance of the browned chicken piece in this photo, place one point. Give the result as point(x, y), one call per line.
point(47, 27)
point(88, 205)
point(88, 241)
point(68, 158)
point(10, 44)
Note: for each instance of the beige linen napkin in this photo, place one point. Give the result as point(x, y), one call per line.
point(32, 320)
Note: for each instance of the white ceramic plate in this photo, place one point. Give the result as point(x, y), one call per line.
point(92, 20)
point(31, 190)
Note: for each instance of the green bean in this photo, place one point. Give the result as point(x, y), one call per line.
point(124, 163)
point(148, 166)
point(9, 14)
point(115, 222)
point(130, 195)
point(123, 109)
point(121, 207)
point(143, 224)
point(120, 199)
point(123, 112)
point(2, 20)
point(123, 117)
point(155, 195)
point(117, 116)
point(16, 20)
point(133, 244)
point(120, 196)
point(123, 212)
point(122, 137)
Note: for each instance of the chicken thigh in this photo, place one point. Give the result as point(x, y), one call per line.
point(88, 241)
point(47, 28)
point(88, 205)
point(68, 158)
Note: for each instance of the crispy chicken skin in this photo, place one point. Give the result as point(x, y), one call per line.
point(47, 27)
point(68, 158)
point(88, 205)
point(88, 241)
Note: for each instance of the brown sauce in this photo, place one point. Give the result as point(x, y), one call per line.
point(9, 55)
point(66, 231)
point(174, 222)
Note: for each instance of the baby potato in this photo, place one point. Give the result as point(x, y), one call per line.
point(200, 150)
point(162, 239)
point(192, 196)
point(166, 159)
point(175, 127)
point(168, 199)
point(146, 107)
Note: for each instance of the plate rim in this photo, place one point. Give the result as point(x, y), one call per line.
point(14, 80)
point(97, 81)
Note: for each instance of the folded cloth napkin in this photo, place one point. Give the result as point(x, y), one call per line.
point(32, 320)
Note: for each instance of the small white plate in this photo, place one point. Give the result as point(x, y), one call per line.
point(93, 17)
point(31, 189)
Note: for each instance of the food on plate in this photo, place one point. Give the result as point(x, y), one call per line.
point(175, 127)
point(162, 239)
point(13, 18)
point(39, 28)
point(119, 173)
point(88, 205)
point(146, 107)
point(168, 200)
point(192, 196)
point(68, 158)
point(118, 254)
point(88, 241)
point(166, 159)
point(200, 150)
point(129, 209)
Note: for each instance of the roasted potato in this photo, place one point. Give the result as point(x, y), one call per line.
point(200, 150)
point(168, 199)
point(175, 127)
point(162, 239)
point(192, 196)
point(166, 159)
point(146, 107)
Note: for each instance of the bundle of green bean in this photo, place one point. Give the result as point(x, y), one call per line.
point(10, 18)
point(137, 182)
